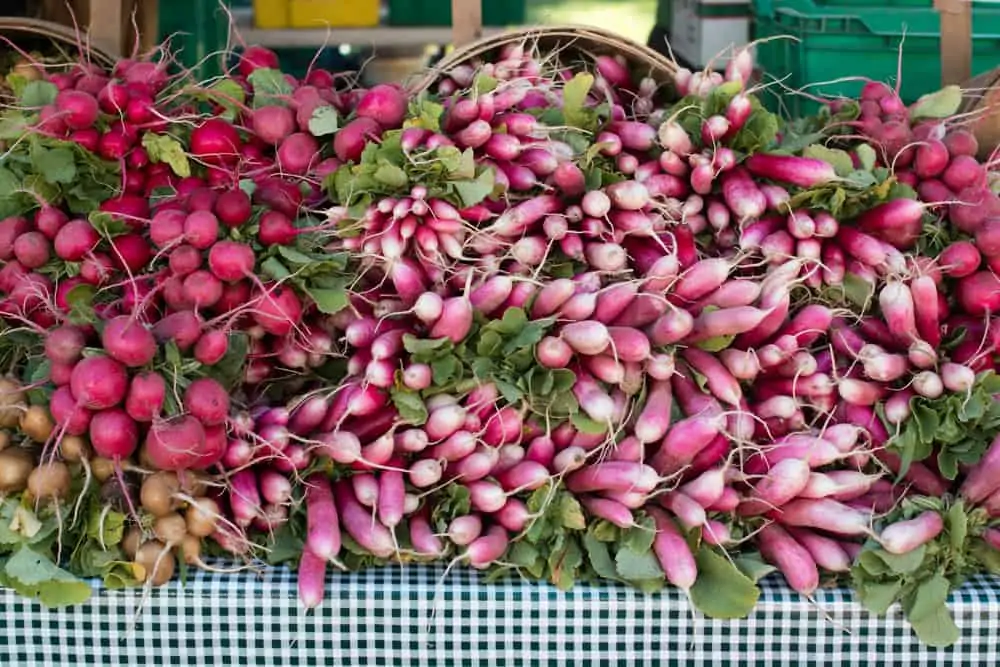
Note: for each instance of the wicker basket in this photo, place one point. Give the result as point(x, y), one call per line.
point(982, 102)
point(582, 39)
point(31, 34)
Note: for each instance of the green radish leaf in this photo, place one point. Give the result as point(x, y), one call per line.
point(721, 590)
point(907, 563)
point(636, 566)
point(564, 563)
point(840, 160)
point(937, 629)
point(324, 121)
point(36, 94)
point(526, 556)
point(570, 513)
point(716, 344)
point(410, 405)
point(445, 370)
point(55, 165)
point(166, 149)
point(940, 104)
point(605, 531)
point(600, 557)
point(274, 269)
point(474, 191)
point(391, 176)
point(35, 576)
point(426, 114)
point(639, 538)
point(753, 566)
point(270, 88)
point(877, 598)
point(866, 156)
point(328, 301)
point(484, 83)
point(106, 528)
point(958, 525)
point(229, 95)
point(588, 426)
point(574, 97)
point(426, 348)
point(931, 594)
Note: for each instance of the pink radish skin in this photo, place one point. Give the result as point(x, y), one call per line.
point(742, 195)
point(701, 279)
point(800, 171)
point(726, 322)
point(486, 496)
point(322, 523)
point(825, 514)
point(984, 479)
point(551, 297)
point(720, 382)
point(672, 552)
point(311, 579)
point(609, 510)
point(358, 523)
point(485, 550)
point(794, 560)
point(391, 497)
point(707, 488)
point(786, 480)
point(683, 442)
point(828, 553)
point(905, 536)
point(514, 515)
point(594, 401)
point(671, 328)
point(588, 337)
point(688, 512)
point(455, 321)
point(621, 476)
point(654, 420)
point(524, 476)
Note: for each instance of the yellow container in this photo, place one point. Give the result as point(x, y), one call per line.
point(334, 13)
point(271, 13)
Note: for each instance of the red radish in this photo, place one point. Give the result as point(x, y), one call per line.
point(184, 328)
point(271, 124)
point(905, 536)
point(898, 222)
point(184, 259)
point(74, 240)
point(794, 560)
point(207, 400)
point(128, 341)
point(175, 444)
point(979, 293)
point(216, 142)
point(67, 413)
point(685, 439)
point(77, 109)
point(113, 434)
point(99, 383)
point(201, 229)
point(145, 398)
point(278, 310)
point(654, 420)
point(65, 344)
point(385, 104)
point(742, 195)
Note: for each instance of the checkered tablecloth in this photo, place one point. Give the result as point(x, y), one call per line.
point(412, 616)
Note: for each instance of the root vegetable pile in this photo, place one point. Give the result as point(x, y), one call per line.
point(553, 318)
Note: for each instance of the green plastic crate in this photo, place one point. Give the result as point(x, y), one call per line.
point(438, 12)
point(812, 7)
point(840, 42)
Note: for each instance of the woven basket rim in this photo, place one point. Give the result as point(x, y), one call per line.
point(56, 32)
point(661, 67)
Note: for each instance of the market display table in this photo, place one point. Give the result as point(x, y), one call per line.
point(412, 616)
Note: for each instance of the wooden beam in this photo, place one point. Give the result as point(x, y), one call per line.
point(956, 40)
point(104, 24)
point(466, 21)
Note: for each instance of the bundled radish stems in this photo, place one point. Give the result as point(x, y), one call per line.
point(547, 317)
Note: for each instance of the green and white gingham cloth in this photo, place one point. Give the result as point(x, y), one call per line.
point(413, 616)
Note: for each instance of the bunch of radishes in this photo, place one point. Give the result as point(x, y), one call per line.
point(710, 387)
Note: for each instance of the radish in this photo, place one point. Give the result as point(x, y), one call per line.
point(128, 341)
point(785, 480)
point(99, 383)
point(146, 396)
point(673, 552)
point(311, 579)
point(801, 171)
point(207, 400)
point(983, 480)
point(825, 514)
point(905, 536)
point(175, 444)
point(356, 520)
point(794, 560)
point(654, 420)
